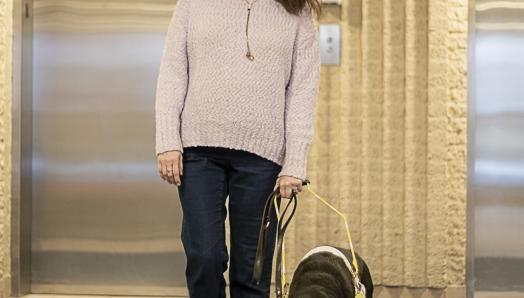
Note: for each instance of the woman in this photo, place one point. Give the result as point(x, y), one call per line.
point(235, 105)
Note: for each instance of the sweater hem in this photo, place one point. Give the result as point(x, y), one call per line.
point(257, 141)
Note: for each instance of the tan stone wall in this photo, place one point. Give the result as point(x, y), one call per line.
point(6, 34)
point(391, 142)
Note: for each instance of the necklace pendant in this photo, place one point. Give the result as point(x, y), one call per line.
point(249, 56)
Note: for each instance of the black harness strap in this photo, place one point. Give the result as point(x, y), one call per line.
point(281, 230)
point(262, 238)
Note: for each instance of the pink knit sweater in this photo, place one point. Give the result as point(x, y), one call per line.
point(209, 93)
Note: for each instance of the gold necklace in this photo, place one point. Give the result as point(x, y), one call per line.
point(248, 53)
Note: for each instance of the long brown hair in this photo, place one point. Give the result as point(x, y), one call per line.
point(295, 6)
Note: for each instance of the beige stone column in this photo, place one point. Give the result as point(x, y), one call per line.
point(390, 145)
point(6, 42)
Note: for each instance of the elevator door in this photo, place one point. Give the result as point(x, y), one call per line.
point(499, 148)
point(103, 220)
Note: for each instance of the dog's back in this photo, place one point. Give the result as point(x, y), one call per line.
point(325, 275)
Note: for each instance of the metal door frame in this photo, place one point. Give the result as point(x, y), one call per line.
point(471, 123)
point(21, 150)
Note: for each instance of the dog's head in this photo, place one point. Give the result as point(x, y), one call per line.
point(322, 274)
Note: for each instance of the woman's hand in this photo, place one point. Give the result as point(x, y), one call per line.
point(170, 166)
point(288, 184)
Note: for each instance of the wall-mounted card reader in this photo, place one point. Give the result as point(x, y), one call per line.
point(329, 44)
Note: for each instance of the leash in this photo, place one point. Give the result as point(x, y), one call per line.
point(262, 238)
point(281, 285)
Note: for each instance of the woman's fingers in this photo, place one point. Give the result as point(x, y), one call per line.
point(169, 171)
point(181, 164)
point(159, 166)
point(164, 171)
point(176, 172)
point(169, 164)
point(287, 184)
point(286, 192)
point(172, 171)
point(276, 183)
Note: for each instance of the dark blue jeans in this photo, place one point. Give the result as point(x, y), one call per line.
point(210, 175)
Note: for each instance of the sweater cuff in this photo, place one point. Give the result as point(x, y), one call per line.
point(295, 160)
point(167, 133)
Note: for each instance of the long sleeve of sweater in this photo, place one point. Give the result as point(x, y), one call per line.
point(172, 81)
point(301, 97)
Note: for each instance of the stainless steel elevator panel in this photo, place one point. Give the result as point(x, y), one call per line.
point(499, 146)
point(103, 220)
